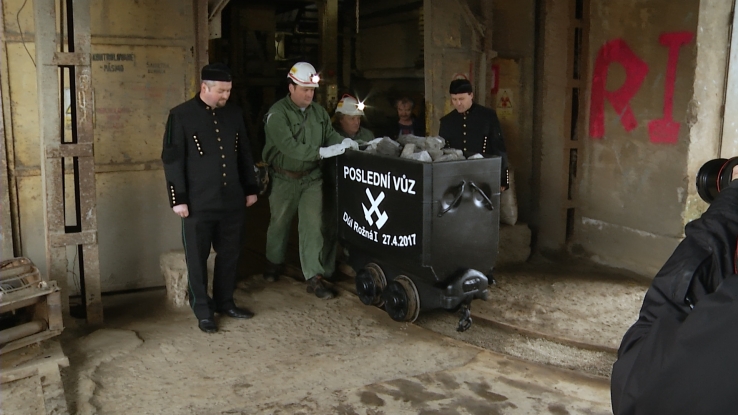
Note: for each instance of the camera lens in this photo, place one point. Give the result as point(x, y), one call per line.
point(714, 176)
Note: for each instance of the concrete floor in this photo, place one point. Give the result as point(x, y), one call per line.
point(299, 355)
point(544, 343)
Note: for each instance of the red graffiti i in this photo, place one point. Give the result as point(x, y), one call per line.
point(666, 130)
point(615, 51)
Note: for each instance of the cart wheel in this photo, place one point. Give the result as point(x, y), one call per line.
point(401, 299)
point(370, 282)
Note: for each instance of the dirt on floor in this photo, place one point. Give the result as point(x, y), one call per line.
point(301, 355)
point(576, 303)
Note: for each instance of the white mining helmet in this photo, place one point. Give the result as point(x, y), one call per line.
point(350, 106)
point(304, 74)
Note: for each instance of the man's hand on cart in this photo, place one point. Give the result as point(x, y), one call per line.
point(350, 144)
point(338, 149)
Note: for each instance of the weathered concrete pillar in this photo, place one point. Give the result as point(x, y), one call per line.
point(552, 95)
point(705, 109)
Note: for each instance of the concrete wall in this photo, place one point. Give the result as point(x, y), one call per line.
point(143, 63)
point(634, 180)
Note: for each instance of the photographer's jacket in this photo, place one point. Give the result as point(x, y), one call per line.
point(681, 356)
point(207, 158)
point(477, 130)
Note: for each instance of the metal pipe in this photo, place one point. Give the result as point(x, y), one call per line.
point(19, 332)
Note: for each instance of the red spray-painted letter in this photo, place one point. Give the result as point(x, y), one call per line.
point(615, 51)
point(666, 130)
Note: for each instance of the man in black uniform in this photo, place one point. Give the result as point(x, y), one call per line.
point(210, 180)
point(472, 127)
point(681, 356)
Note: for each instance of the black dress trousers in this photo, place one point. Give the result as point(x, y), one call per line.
point(221, 230)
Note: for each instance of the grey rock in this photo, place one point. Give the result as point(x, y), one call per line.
point(421, 156)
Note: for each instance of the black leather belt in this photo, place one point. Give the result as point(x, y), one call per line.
point(292, 174)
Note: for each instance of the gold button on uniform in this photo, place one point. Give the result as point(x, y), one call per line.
point(217, 130)
point(218, 138)
point(221, 147)
point(224, 175)
point(224, 165)
point(222, 156)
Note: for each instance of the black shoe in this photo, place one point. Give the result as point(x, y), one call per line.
point(272, 272)
point(316, 285)
point(235, 312)
point(207, 325)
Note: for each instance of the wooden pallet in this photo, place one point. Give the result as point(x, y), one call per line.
point(42, 362)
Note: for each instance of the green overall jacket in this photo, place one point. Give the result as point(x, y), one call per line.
point(294, 137)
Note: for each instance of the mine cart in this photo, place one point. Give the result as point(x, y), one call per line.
point(421, 236)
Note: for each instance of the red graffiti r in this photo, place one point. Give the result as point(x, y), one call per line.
point(635, 71)
point(666, 130)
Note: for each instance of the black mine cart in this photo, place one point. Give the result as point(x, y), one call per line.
point(420, 235)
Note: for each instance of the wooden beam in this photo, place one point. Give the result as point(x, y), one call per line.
point(49, 57)
point(49, 110)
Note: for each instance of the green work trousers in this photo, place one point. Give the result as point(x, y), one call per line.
point(304, 196)
point(330, 218)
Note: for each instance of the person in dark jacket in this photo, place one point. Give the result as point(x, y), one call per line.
point(407, 123)
point(473, 128)
point(210, 181)
point(681, 356)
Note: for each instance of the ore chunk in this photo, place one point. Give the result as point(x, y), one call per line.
point(388, 147)
point(435, 154)
point(434, 143)
point(421, 156)
point(408, 150)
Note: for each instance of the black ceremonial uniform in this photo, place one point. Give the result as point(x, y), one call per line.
point(208, 166)
point(681, 356)
point(477, 130)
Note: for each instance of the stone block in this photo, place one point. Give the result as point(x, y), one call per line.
point(174, 269)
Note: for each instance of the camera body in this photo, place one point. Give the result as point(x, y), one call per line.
point(714, 176)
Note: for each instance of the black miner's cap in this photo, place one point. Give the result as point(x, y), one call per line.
point(216, 72)
point(460, 86)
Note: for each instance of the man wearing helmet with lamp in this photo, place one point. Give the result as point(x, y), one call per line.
point(348, 120)
point(298, 134)
point(348, 123)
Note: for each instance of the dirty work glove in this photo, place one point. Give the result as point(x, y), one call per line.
point(350, 144)
point(332, 151)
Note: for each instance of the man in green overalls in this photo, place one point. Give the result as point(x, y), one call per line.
point(298, 135)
